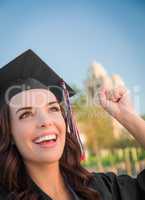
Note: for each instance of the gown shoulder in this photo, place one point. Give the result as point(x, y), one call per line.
point(122, 187)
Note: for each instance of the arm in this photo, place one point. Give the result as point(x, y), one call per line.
point(135, 125)
point(117, 103)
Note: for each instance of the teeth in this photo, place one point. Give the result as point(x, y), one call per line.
point(46, 138)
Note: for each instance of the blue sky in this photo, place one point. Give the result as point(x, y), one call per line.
point(69, 35)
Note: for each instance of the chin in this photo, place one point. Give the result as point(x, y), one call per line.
point(47, 158)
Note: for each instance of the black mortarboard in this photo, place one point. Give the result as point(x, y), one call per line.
point(32, 72)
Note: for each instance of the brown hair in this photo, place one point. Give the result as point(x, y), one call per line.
point(14, 175)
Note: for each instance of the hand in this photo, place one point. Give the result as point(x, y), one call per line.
point(116, 101)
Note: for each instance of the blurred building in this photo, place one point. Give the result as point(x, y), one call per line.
point(98, 76)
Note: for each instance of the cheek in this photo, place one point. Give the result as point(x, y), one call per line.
point(22, 135)
point(22, 132)
point(62, 125)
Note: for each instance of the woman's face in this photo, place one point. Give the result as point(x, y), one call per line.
point(36, 120)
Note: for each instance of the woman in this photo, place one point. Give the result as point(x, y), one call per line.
point(40, 153)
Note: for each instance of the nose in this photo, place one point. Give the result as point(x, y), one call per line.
point(44, 120)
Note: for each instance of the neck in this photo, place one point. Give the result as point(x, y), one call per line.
point(48, 177)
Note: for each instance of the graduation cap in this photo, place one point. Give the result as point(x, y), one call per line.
point(29, 71)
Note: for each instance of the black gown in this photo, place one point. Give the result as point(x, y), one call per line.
point(110, 187)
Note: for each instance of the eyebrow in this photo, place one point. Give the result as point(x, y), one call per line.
point(30, 107)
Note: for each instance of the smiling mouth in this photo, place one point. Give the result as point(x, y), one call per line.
point(46, 141)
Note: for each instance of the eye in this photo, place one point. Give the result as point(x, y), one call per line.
point(25, 115)
point(54, 108)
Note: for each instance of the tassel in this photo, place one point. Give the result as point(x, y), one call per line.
point(70, 119)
